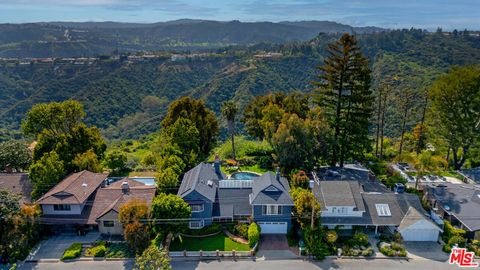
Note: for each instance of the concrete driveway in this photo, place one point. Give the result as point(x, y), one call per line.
point(274, 247)
point(53, 247)
point(426, 250)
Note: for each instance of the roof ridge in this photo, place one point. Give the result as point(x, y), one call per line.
point(109, 207)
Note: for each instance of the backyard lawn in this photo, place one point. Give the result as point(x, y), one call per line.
point(211, 243)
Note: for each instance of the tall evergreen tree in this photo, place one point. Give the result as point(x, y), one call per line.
point(229, 112)
point(345, 98)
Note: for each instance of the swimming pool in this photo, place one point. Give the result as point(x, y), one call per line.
point(149, 181)
point(243, 176)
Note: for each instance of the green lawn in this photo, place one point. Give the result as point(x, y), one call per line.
point(217, 242)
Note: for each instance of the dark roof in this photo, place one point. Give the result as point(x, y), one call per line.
point(338, 193)
point(17, 183)
point(473, 174)
point(398, 204)
point(351, 172)
point(131, 183)
point(113, 197)
point(74, 189)
point(459, 200)
point(198, 179)
point(262, 196)
point(232, 202)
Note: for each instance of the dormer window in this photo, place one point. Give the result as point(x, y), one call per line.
point(196, 207)
point(271, 189)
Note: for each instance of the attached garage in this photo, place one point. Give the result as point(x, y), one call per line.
point(417, 227)
point(273, 227)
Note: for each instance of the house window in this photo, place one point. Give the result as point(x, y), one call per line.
point(272, 210)
point(196, 207)
point(61, 207)
point(108, 223)
point(196, 224)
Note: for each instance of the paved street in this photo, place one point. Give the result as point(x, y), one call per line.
point(256, 265)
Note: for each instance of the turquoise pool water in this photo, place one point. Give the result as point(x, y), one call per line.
point(244, 176)
point(149, 181)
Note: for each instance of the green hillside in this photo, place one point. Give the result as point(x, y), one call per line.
point(114, 92)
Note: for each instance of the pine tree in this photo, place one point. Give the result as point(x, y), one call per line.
point(345, 98)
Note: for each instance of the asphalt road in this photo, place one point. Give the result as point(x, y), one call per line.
point(254, 265)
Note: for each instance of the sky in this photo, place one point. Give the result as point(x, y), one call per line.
point(427, 14)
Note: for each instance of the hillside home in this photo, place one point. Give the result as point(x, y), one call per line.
point(17, 183)
point(83, 201)
point(214, 198)
point(347, 204)
point(457, 203)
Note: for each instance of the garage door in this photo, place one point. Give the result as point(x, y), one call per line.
point(419, 235)
point(273, 227)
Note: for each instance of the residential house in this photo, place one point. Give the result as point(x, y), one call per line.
point(83, 201)
point(109, 199)
point(17, 183)
point(457, 203)
point(66, 203)
point(365, 203)
point(471, 176)
point(214, 198)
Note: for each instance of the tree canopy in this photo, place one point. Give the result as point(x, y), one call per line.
point(203, 119)
point(169, 213)
point(456, 110)
point(345, 98)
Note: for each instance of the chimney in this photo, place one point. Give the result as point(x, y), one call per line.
point(125, 187)
point(278, 173)
point(216, 165)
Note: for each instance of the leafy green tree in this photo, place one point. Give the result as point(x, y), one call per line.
point(153, 258)
point(88, 161)
point(263, 114)
point(345, 98)
point(184, 136)
point(46, 173)
point(18, 227)
point(229, 112)
point(331, 237)
point(16, 154)
point(137, 236)
point(304, 200)
point(456, 110)
point(169, 213)
point(292, 143)
point(314, 243)
point(203, 118)
point(54, 118)
point(116, 160)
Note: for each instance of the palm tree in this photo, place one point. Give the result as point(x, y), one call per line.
point(229, 111)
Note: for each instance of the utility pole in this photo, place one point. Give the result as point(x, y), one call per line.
point(312, 221)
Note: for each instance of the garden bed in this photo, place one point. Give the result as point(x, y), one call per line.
point(219, 242)
point(105, 249)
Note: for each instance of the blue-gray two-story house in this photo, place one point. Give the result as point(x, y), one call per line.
point(214, 198)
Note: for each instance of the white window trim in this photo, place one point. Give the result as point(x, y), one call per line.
point(202, 224)
point(67, 206)
point(276, 212)
point(197, 211)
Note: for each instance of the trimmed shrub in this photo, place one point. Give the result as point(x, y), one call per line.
point(360, 239)
point(210, 229)
point(241, 229)
point(253, 234)
point(98, 251)
point(72, 252)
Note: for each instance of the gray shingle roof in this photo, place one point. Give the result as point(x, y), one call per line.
point(473, 174)
point(398, 205)
point(351, 172)
point(413, 216)
point(269, 179)
point(232, 201)
point(17, 183)
point(460, 200)
point(339, 193)
point(198, 179)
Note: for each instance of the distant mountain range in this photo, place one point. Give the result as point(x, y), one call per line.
point(67, 39)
